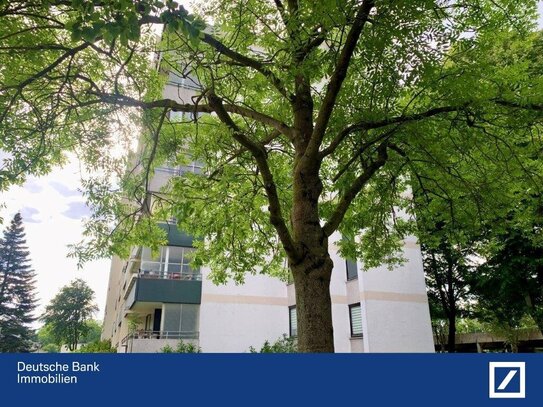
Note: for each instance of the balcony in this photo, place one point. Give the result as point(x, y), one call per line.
point(163, 175)
point(169, 271)
point(175, 236)
point(154, 341)
point(178, 284)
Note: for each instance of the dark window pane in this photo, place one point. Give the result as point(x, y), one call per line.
point(352, 269)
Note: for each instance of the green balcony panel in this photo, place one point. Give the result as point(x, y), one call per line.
point(175, 236)
point(165, 290)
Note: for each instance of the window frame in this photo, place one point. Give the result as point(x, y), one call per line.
point(351, 306)
point(347, 261)
point(290, 308)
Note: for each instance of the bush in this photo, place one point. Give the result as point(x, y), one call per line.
point(50, 348)
point(286, 344)
point(182, 347)
point(97, 347)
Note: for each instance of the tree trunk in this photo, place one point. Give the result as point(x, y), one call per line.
point(314, 306)
point(312, 269)
point(451, 301)
point(5, 278)
point(452, 333)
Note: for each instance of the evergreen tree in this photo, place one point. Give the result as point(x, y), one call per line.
point(17, 291)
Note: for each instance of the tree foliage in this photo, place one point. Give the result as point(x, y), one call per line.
point(97, 346)
point(447, 271)
point(47, 341)
point(324, 115)
point(285, 344)
point(182, 347)
point(94, 332)
point(51, 343)
point(509, 285)
point(69, 312)
point(17, 291)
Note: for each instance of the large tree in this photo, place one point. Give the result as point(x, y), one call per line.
point(510, 281)
point(17, 291)
point(69, 313)
point(322, 116)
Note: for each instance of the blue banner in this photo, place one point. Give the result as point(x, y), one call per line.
point(272, 379)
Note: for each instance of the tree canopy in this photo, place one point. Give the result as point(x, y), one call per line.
point(322, 116)
point(69, 314)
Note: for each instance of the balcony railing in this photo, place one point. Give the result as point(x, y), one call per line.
point(175, 271)
point(169, 275)
point(180, 170)
point(161, 335)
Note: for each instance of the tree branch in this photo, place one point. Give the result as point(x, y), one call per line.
point(189, 107)
point(339, 75)
point(360, 126)
point(351, 193)
point(385, 136)
point(265, 141)
point(235, 56)
point(71, 52)
point(151, 158)
point(259, 153)
point(248, 62)
point(507, 103)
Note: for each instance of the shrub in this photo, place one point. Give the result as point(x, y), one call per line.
point(182, 347)
point(97, 347)
point(286, 344)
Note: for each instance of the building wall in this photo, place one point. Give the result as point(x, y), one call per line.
point(236, 317)
point(396, 315)
point(154, 345)
point(394, 305)
point(111, 315)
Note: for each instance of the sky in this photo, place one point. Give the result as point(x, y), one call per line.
point(53, 209)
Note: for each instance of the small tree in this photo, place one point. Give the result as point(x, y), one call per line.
point(446, 267)
point(69, 312)
point(46, 340)
point(94, 333)
point(17, 297)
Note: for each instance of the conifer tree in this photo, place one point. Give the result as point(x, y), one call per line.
point(17, 291)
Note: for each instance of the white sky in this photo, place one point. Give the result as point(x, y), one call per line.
point(53, 209)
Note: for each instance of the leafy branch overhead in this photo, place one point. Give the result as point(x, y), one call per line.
point(311, 118)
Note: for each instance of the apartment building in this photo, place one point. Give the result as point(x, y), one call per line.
point(156, 300)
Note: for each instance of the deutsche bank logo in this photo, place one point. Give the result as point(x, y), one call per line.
point(507, 380)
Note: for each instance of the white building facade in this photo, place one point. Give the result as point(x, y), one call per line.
point(154, 301)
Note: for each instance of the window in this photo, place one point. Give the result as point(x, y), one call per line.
point(180, 318)
point(355, 316)
point(352, 269)
point(293, 321)
point(177, 117)
point(169, 262)
point(350, 264)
